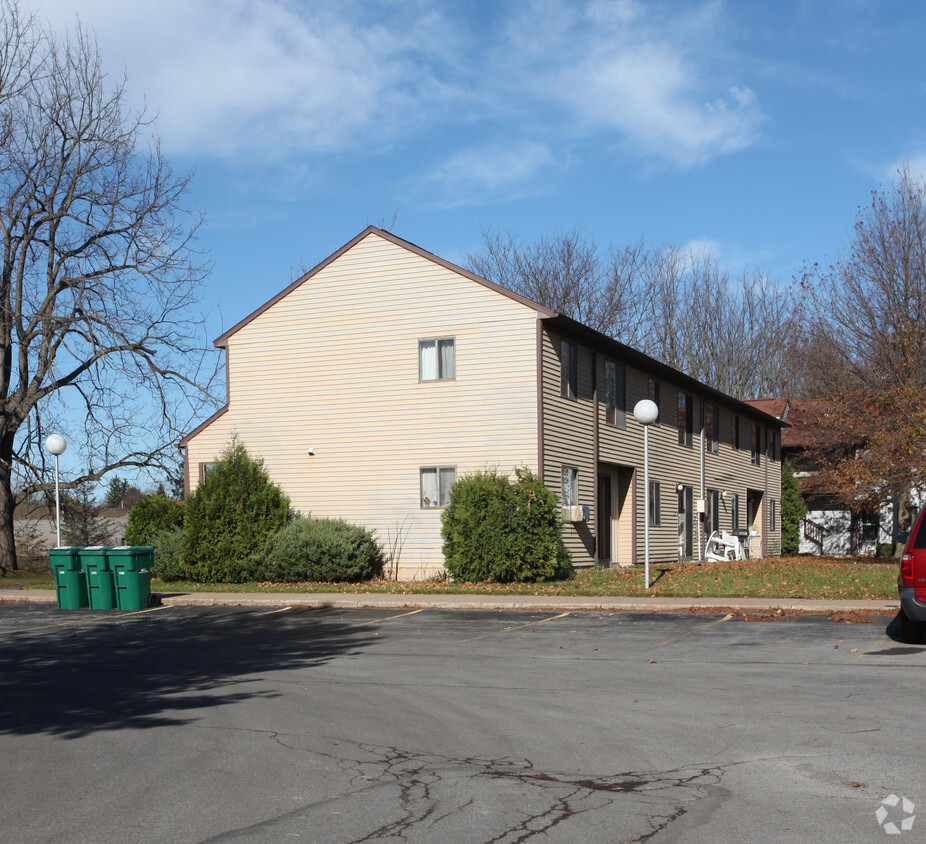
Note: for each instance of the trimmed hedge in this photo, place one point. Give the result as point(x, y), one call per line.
point(322, 550)
point(498, 530)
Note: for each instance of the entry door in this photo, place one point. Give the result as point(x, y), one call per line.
point(685, 502)
point(754, 522)
point(604, 519)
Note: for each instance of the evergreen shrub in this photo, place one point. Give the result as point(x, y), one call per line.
point(793, 511)
point(168, 553)
point(322, 550)
point(229, 518)
point(152, 514)
point(501, 530)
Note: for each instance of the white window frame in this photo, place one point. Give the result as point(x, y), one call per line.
point(436, 492)
point(440, 370)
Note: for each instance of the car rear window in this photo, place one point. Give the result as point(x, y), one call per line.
point(919, 541)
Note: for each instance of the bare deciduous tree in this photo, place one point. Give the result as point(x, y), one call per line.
point(97, 272)
point(676, 305)
point(867, 315)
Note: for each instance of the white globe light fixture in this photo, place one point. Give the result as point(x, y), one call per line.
point(57, 445)
point(646, 412)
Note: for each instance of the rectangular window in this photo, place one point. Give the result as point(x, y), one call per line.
point(615, 394)
point(436, 360)
point(712, 428)
point(735, 431)
point(735, 511)
point(770, 443)
point(756, 437)
point(570, 486)
point(712, 511)
point(653, 395)
point(435, 485)
point(772, 514)
point(655, 511)
point(568, 369)
point(205, 469)
point(684, 419)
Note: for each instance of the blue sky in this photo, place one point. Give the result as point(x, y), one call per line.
point(754, 128)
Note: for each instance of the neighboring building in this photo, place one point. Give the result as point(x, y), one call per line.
point(35, 531)
point(374, 381)
point(832, 527)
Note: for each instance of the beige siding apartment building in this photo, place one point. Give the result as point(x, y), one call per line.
point(374, 381)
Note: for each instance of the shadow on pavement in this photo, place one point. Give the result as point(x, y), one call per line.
point(70, 674)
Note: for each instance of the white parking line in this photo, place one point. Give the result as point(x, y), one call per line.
point(696, 630)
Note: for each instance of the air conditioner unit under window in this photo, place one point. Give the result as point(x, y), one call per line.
point(576, 513)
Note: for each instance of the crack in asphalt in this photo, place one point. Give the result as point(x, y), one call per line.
point(436, 794)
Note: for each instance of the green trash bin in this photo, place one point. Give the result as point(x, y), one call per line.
point(131, 567)
point(100, 587)
point(70, 579)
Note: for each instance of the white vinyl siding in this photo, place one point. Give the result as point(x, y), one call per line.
point(372, 423)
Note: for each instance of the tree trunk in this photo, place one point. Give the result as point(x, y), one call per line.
point(7, 538)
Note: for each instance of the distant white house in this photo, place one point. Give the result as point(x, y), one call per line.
point(35, 530)
point(831, 527)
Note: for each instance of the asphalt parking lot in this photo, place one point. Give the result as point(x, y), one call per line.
point(189, 724)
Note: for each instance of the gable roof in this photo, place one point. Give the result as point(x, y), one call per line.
point(542, 311)
point(553, 319)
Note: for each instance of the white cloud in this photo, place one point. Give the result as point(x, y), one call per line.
point(622, 67)
point(282, 77)
point(496, 170)
point(229, 75)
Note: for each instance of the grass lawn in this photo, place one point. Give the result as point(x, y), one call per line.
point(776, 577)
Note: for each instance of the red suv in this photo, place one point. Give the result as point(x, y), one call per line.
point(912, 582)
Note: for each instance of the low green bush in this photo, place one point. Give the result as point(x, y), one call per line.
point(322, 550)
point(501, 530)
point(152, 514)
point(168, 552)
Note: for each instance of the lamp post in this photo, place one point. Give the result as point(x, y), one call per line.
point(56, 444)
point(646, 412)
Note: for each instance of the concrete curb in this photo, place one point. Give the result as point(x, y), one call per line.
point(477, 602)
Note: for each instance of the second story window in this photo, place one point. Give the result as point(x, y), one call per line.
point(735, 431)
point(615, 394)
point(712, 428)
point(684, 419)
point(653, 396)
point(755, 430)
point(437, 360)
point(569, 369)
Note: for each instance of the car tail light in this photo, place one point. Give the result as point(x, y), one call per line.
point(906, 569)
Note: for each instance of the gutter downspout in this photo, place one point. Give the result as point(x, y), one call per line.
point(701, 471)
